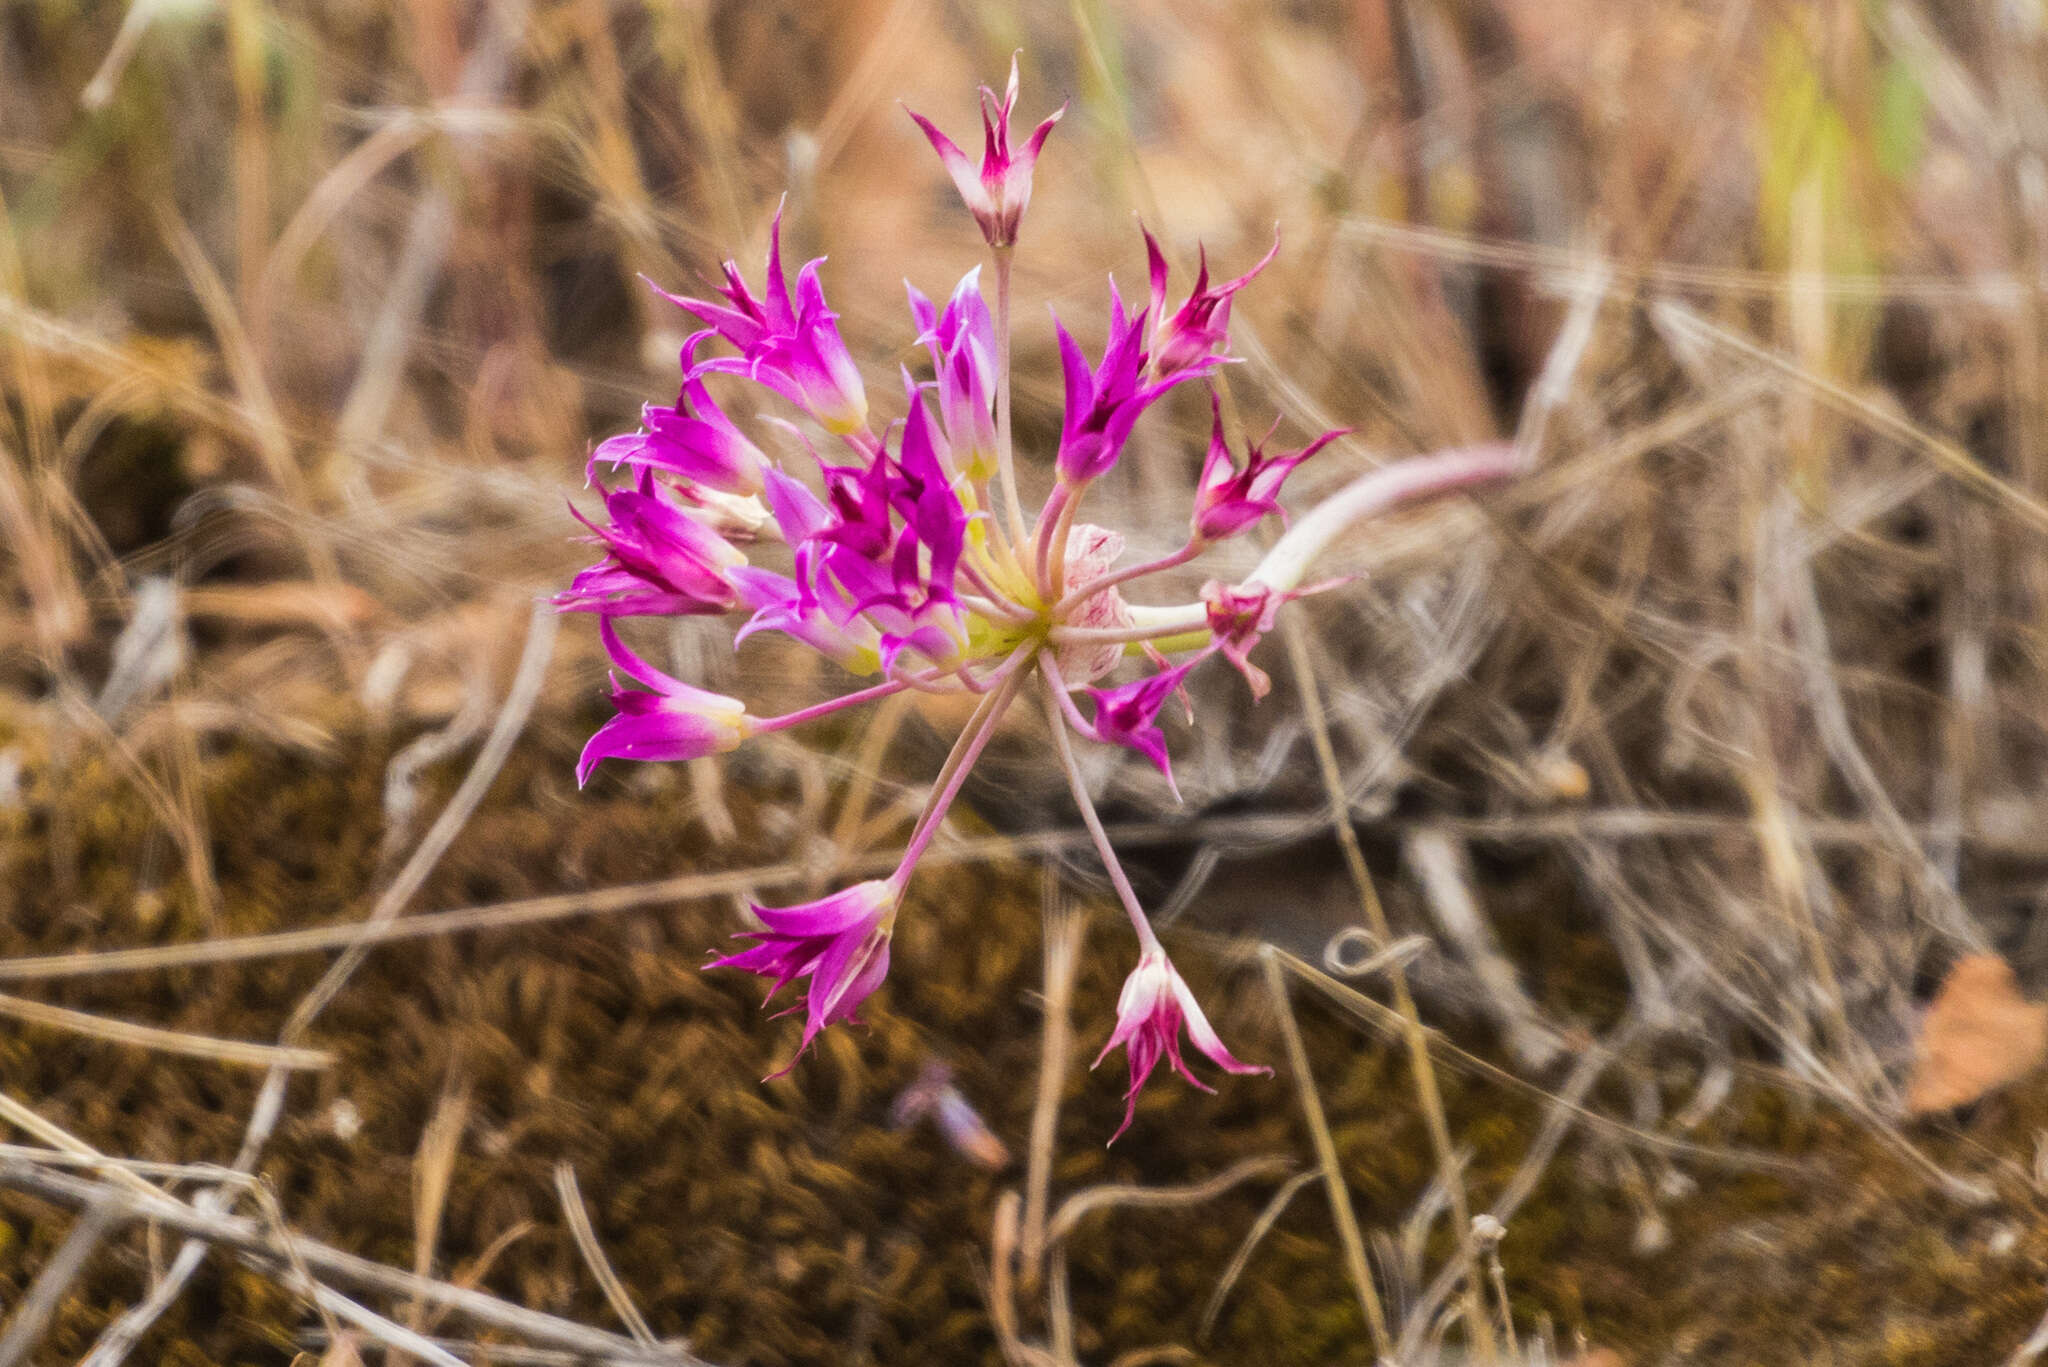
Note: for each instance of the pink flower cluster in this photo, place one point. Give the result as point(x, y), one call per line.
point(910, 560)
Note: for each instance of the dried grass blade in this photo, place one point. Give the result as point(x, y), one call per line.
point(239, 1052)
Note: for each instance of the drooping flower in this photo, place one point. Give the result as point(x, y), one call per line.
point(672, 721)
point(659, 558)
point(840, 942)
point(1227, 499)
point(693, 440)
point(791, 346)
point(997, 192)
point(1128, 715)
point(1200, 328)
point(1239, 617)
point(1155, 1003)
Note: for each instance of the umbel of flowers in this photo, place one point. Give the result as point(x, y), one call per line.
point(912, 563)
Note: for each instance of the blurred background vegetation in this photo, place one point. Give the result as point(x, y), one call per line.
point(1701, 773)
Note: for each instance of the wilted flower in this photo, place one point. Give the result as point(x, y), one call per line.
point(1155, 1003)
point(1239, 617)
point(908, 559)
point(997, 192)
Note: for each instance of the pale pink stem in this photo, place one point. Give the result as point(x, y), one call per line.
point(1073, 711)
point(1128, 573)
point(1000, 603)
point(865, 442)
point(975, 683)
point(1093, 636)
point(1049, 519)
point(930, 681)
point(1006, 462)
point(829, 706)
point(1373, 493)
point(1055, 689)
point(966, 750)
point(1058, 565)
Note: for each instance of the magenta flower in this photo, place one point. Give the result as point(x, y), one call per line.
point(694, 440)
point(673, 721)
point(927, 560)
point(840, 942)
point(1200, 329)
point(660, 558)
point(1128, 715)
point(1105, 403)
point(1227, 499)
point(791, 347)
point(997, 193)
point(855, 645)
point(910, 558)
point(962, 346)
point(1155, 1003)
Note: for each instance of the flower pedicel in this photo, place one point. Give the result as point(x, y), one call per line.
point(914, 565)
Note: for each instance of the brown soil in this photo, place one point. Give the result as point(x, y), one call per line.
point(786, 1222)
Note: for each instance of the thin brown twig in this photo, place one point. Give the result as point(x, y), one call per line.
point(1112, 1195)
point(1241, 1259)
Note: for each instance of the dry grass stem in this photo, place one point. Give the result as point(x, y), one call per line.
point(1420, 1065)
point(162, 1041)
point(1268, 1217)
point(1086, 1202)
point(1066, 928)
point(32, 1312)
point(593, 1257)
point(1334, 1184)
point(249, 1239)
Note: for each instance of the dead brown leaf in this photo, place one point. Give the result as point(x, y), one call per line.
point(1980, 1034)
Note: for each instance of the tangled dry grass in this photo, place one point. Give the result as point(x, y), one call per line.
point(1588, 872)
